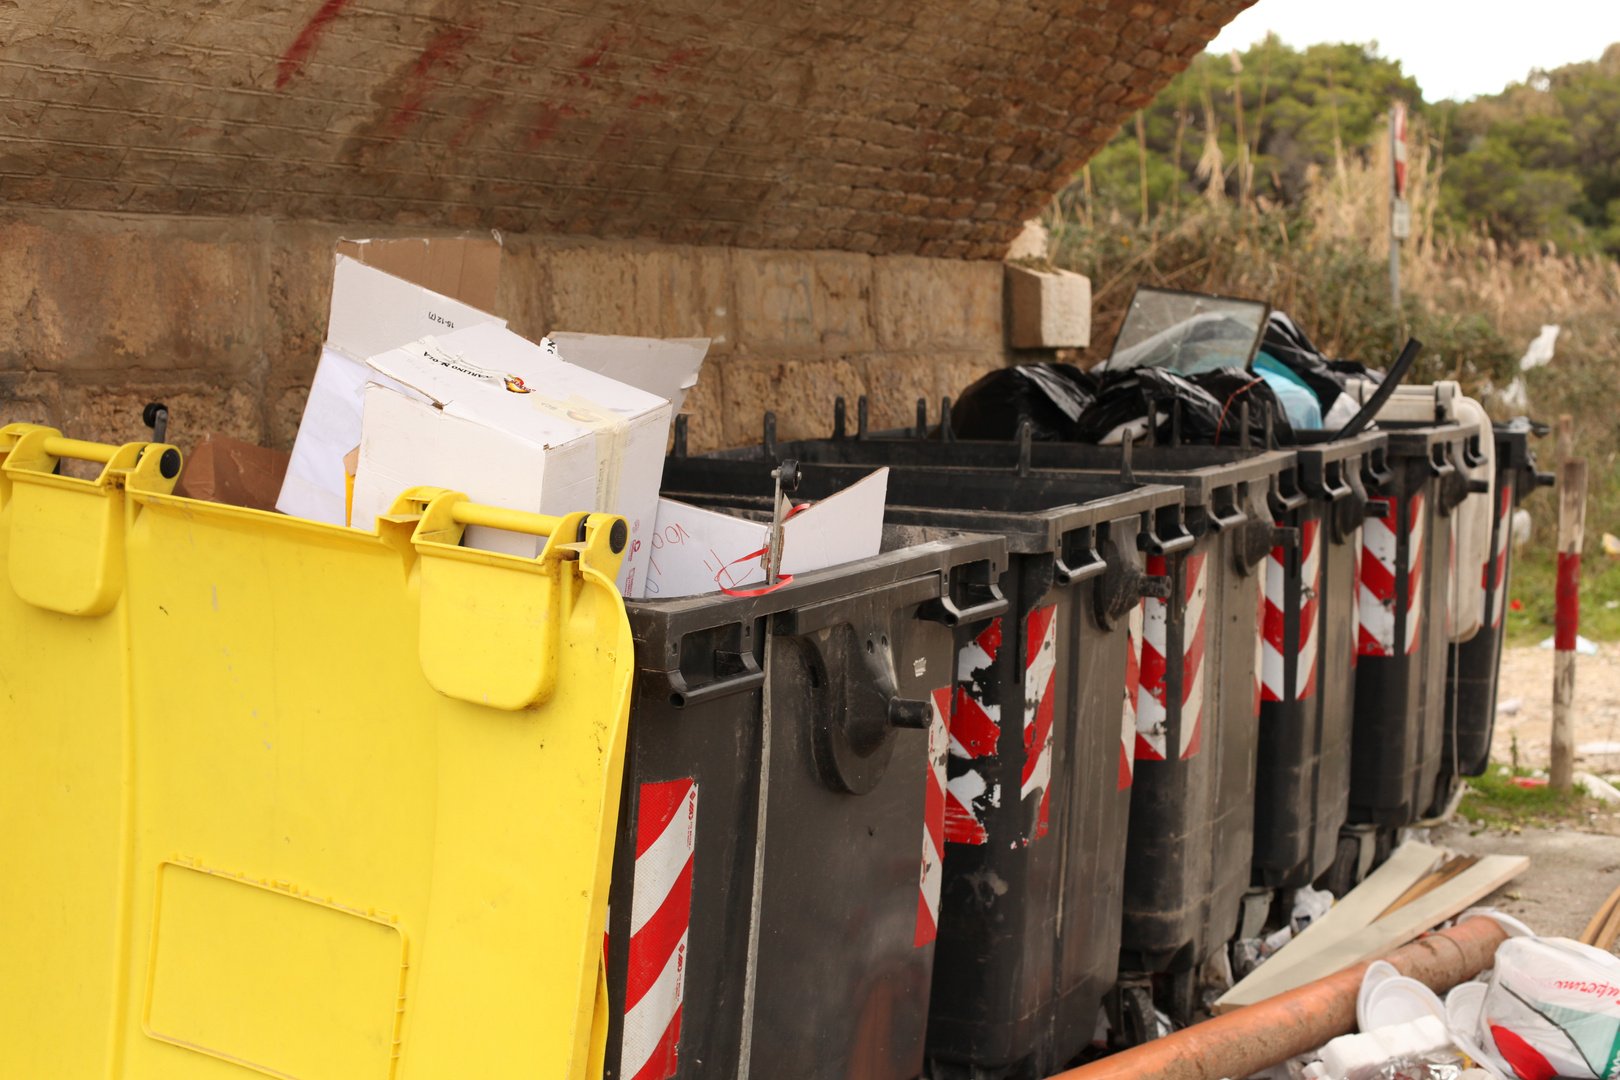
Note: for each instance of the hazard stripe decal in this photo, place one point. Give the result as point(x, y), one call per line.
point(1380, 586)
point(1040, 681)
point(971, 791)
point(1192, 657)
point(661, 915)
point(1495, 573)
point(1133, 687)
point(1152, 710)
point(933, 838)
point(1274, 650)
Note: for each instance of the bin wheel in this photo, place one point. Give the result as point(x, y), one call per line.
point(1383, 846)
point(1341, 876)
point(1137, 1017)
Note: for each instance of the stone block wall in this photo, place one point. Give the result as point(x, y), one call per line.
point(878, 126)
point(222, 318)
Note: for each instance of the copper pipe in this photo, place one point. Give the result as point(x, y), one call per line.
point(1255, 1037)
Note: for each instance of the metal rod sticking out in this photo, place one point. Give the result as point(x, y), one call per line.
point(921, 430)
point(768, 439)
point(1026, 438)
point(1126, 472)
point(1153, 423)
point(947, 433)
point(860, 417)
point(679, 449)
point(1243, 421)
point(1271, 428)
point(840, 417)
point(786, 477)
point(1175, 422)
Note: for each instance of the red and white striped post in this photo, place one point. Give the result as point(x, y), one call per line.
point(1567, 621)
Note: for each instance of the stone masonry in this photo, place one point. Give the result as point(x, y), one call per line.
point(223, 320)
point(874, 126)
point(822, 188)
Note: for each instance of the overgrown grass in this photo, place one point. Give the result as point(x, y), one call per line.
point(1475, 304)
point(1535, 577)
point(1494, 801)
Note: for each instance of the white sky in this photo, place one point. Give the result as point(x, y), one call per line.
point(1454, 48)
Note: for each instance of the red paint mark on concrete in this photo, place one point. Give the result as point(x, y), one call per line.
point(444, 47)
point(475, 120)
point(678, 57)
point(547, 119)
point(597, 59)
point(292, 61)
point(642, 100)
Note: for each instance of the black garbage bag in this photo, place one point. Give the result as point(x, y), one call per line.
point(1233, 388)
point(1205, 409)
point(1050, 396)
point(1286, 343)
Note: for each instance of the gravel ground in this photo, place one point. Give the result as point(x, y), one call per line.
point(1524, 708)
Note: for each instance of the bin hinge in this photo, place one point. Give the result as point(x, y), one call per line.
point(491, 624)
point(67, 535)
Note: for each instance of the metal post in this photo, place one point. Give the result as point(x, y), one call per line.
point(1394, 237)
point(1567, 620)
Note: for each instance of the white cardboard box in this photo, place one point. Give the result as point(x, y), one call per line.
point(667, 367)
point(511, 424)
point(696, 550)
point(371, 312)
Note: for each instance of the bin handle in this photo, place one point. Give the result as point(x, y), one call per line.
point(1285, 499)
point(1335, 483)
point(683, 695)
point(1226, 518)
point(1150, 542)
point(1091, 561)
point(946, 610)
point(29, 446)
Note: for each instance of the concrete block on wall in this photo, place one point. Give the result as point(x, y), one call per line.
point(1048, 308)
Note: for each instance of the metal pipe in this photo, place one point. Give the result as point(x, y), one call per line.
point(1256, 1037)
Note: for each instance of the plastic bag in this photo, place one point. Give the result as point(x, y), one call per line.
point(1550, 1009)
point(1286, 344)
point(1050, 396)
point(1206, 408)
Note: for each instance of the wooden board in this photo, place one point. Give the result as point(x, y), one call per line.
point(1351, 944)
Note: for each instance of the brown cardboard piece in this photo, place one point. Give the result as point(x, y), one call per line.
point(225, 470)
point(465, 268)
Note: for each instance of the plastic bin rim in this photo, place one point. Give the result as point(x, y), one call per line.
point(937, 556)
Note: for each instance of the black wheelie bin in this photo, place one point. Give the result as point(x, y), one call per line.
point(1472, 666)
point(776, 877)
point(1192, 805)
point(1042, 743)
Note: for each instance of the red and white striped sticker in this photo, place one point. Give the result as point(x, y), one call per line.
point(1152, 707)
point(1192, 657)
point(1040, 680)
point(975, 730)
point(1495, 574)
point(933, 839)
point(661, 914)
point(1274, 685)
point(1379, 587)
point(1133, 687)
point(1259, 638)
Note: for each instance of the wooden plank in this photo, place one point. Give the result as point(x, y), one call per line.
point(1392, 931)
point(1410, 863)
point(1449, 869)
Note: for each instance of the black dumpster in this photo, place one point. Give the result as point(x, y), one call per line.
point(1471, 667)
point(1042, 748)
point(1302, 787)
point(776, 877)
point(1192, 807)
point(1402, 636)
